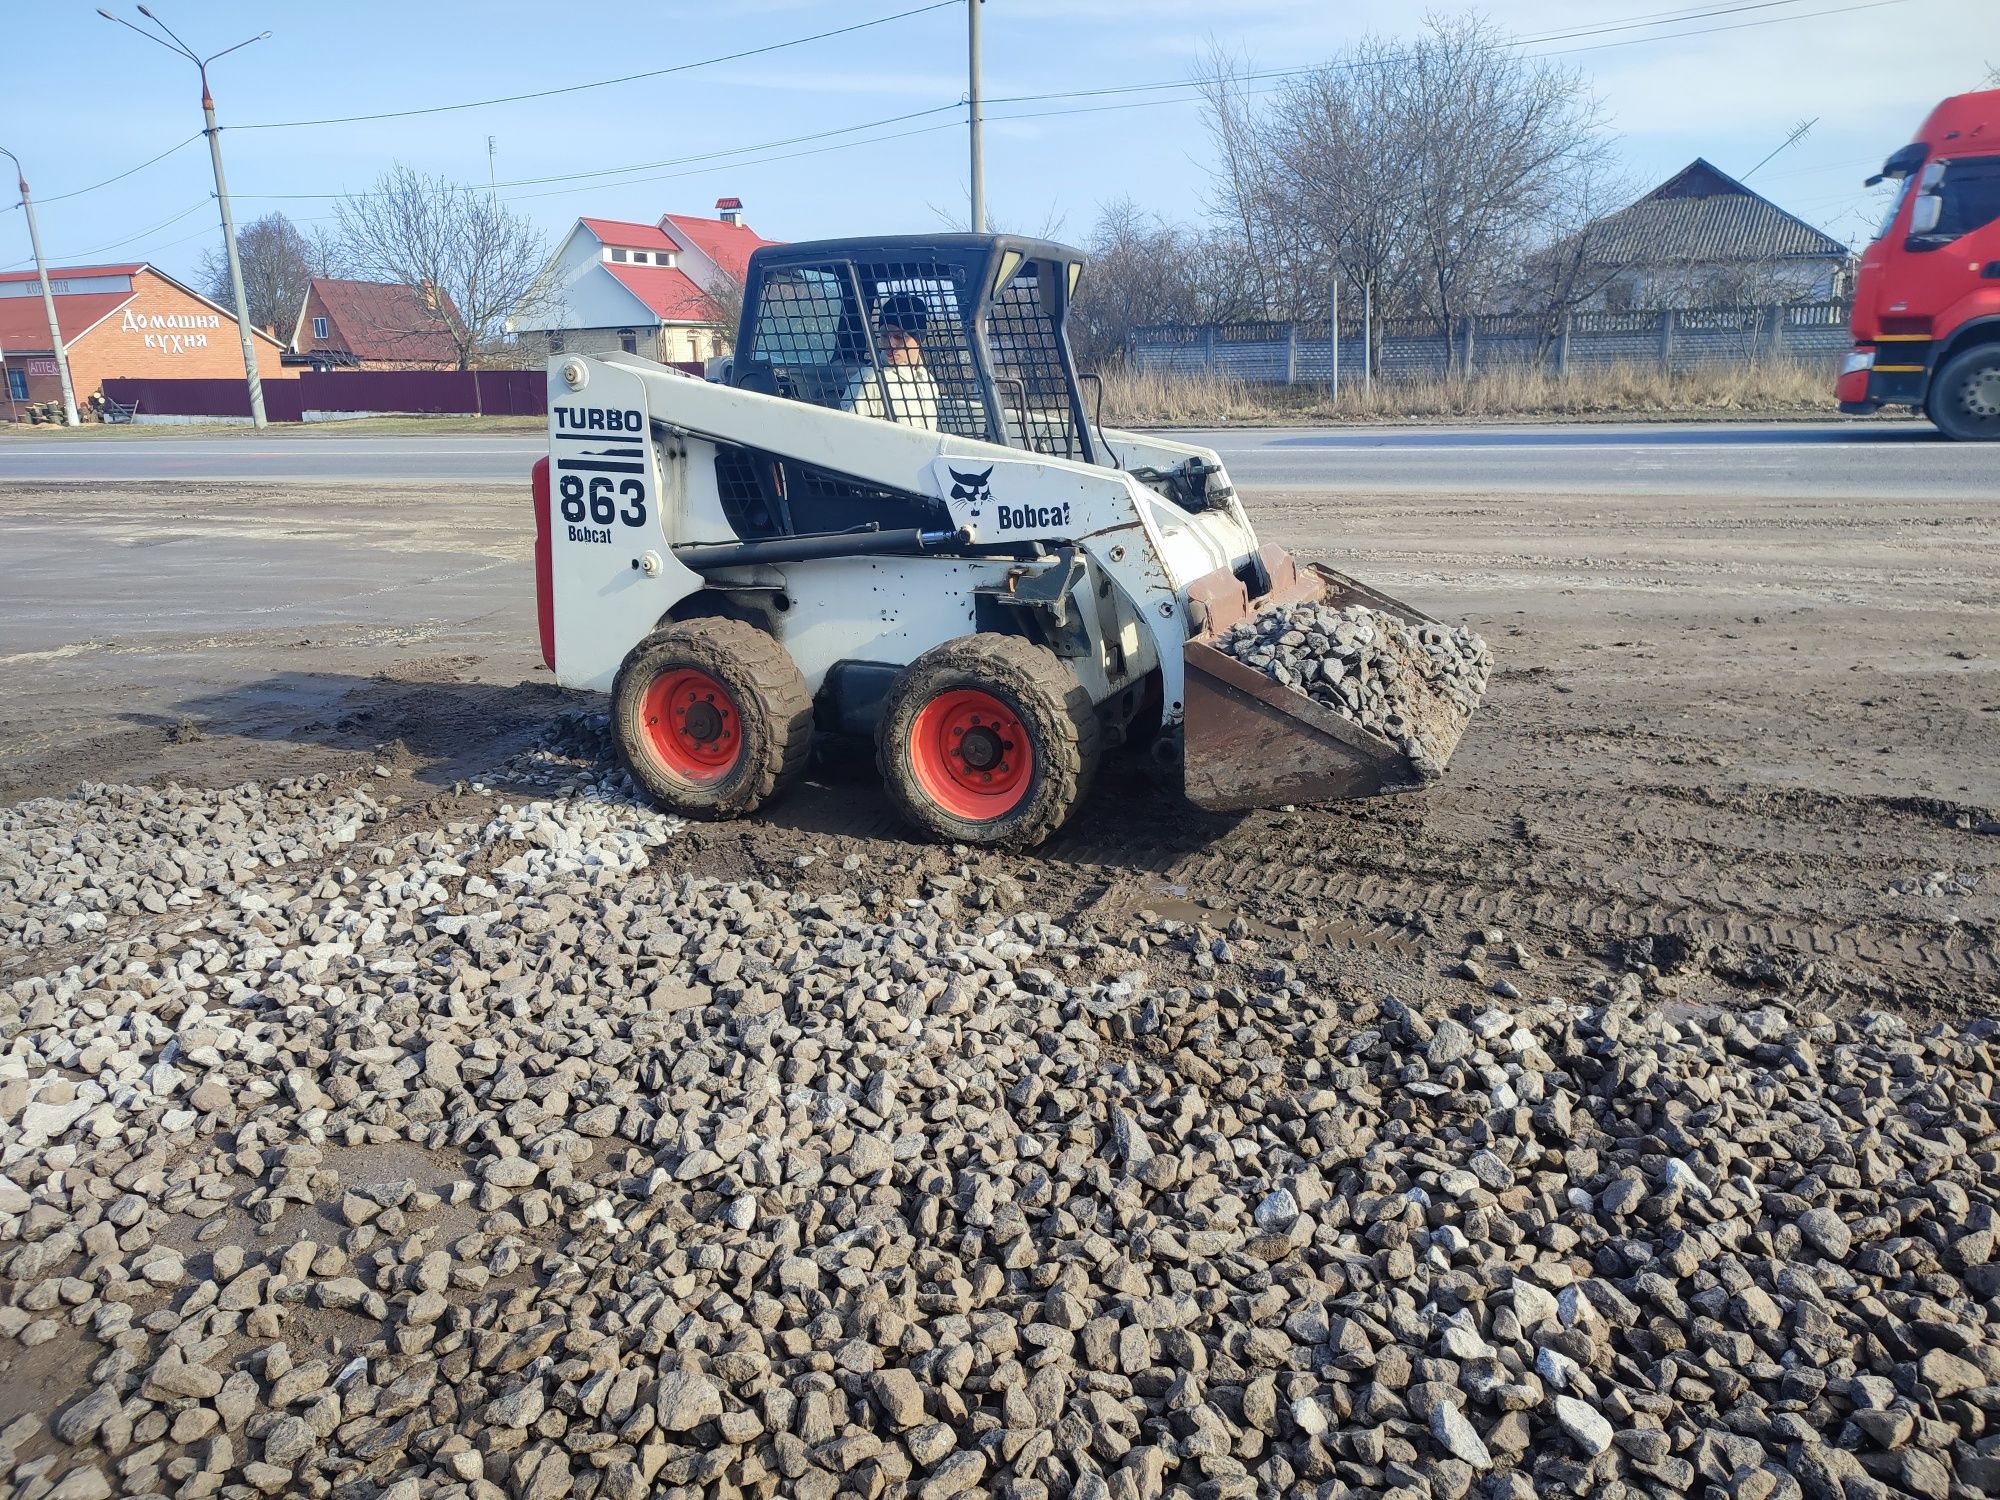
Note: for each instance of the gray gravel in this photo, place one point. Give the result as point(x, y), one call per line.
point(710, 1189)
point(1413, 682)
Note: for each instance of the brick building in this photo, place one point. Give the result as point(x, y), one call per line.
point(666, 290)
point(375, 325)
point(121, 320)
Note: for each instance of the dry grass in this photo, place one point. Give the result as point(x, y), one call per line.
point(1766, 388)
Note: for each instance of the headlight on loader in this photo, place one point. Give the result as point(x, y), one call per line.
point(1857, 360)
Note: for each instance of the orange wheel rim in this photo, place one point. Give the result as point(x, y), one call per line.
point(693, 725)
point(971, 755)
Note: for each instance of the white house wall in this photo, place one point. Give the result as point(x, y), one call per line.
point(587, 295)
point(704, 272)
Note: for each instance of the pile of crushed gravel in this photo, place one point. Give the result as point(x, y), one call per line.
point(1416, 684)
point(70, 865)
point(480, 1159)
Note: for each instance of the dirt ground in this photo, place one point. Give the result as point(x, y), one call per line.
point(1732, 746)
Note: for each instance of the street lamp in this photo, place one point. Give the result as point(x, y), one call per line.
point(214, 133)
point(48, 297)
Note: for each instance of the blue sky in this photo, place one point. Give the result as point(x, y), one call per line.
point(86, 99)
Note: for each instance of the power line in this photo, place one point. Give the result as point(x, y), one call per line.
point(1670, 18)
point(677, 161)
point(646, 166)
point(901, 135)
point(129, 171)
point(84, 257)
point(507, 99)
point(574, 88)
point(1674, 36)
point(1853, 164)
point(588, 183)
point(1109, 91)
point(1654, 18)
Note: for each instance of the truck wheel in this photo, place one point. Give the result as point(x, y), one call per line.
point(1965, 398)
point(712, 717)
point(987, 739)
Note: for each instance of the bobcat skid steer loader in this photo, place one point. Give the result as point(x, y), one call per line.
point(894, 516)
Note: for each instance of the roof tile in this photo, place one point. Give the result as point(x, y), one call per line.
point(669, 291)
point(386, 320)
point(24, 326)
point(1703, 215)
point(728, 245)
point(629, 235)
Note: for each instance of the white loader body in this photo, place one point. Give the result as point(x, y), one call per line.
point(634, 485)
point(893, 516)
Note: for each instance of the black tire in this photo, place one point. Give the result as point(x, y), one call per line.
point(1040, 696)
point(1965, 396)
point(767, 714)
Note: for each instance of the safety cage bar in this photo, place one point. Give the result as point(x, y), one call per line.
point(922, 336)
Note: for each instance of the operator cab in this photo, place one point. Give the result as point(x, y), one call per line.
point(961, 333)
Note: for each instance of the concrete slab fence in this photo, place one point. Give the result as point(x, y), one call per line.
point(1668, 338)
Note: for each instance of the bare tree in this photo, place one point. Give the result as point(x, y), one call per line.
point(278, 261)
point(999, 221)
point(1244, 192)
point(722, 302)
point(1579, 257)
point(1335, 149)
point(477, 260)
point(1502, 134)
point(1421, 171)
point(1145, 270)
point(1685, 282)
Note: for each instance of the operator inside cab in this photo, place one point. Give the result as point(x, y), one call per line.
point(900, 387)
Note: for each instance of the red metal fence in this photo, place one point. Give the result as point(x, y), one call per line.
point(205, 398)
point(493, 393)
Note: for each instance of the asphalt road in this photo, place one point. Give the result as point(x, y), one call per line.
point(459, 458)
point(1862, 460)
point(1872, 460)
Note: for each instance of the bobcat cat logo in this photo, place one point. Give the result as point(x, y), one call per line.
point(973, 489)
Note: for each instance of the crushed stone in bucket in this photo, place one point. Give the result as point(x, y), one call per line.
point(1414, 683)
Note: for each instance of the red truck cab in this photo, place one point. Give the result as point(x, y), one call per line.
point(1927, 295)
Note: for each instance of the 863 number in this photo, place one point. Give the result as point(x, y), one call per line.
point(598, 500)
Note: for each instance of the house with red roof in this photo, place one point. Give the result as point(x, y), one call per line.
point(667, 290)
point(377, 325)
point(130, 320)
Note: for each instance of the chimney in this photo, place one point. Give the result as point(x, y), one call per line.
point(729, 210)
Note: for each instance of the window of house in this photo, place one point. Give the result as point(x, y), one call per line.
point(319, 328)
point(555, 341)
point(638, 257)
point(17, 384)
point(618, 255)
point(628, 340)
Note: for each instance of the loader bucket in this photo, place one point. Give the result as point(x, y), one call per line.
point(1252, 743)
